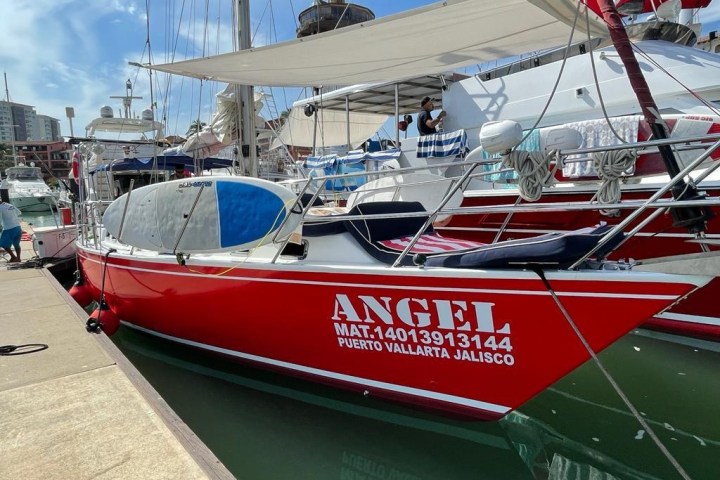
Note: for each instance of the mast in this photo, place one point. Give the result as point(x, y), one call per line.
point(127, 99)
point(691, 217)
point(12, 123)
point(247, 94)
point(7, 92)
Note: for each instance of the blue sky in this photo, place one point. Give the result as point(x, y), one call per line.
point(60, 53)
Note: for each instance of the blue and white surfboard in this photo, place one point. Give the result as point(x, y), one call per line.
point(230, 213)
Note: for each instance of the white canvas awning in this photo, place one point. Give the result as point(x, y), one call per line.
point(332, 129)
point(428, 40)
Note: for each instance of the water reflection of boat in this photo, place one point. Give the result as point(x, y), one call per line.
point(668, 378)
point(245, 416)
point(27, 189)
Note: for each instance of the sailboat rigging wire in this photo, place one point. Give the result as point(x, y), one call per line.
point(347, 5)
point(295, 17)
point(649, 59)
point(187, 220)
point(262, 15)
point(538, 270)
point(597, 82)
point(206, 22)
point(127, 202)
point(96, 325)
point(198, 123)
point(560, 73)
point(172, 49)
point(153, 105)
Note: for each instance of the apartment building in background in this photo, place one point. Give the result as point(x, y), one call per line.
point(48, 128)
point(37, 139)
point(26, 124)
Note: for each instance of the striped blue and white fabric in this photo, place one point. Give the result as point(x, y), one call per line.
point(353, 156)
point(440, 145)
point(320, 162)
point(383, 155)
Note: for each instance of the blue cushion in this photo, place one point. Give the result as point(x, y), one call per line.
point(369, 231)
point(559, 250)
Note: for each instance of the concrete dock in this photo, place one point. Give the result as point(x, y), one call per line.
point(78, 409)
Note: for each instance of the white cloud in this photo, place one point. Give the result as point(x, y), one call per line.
point(64, 60)
point(77, 53)
point(60, 53)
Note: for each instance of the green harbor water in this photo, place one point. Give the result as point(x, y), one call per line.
point(264, 425)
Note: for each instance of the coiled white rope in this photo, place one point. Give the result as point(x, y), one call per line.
point(533, 170)
point(610, 167)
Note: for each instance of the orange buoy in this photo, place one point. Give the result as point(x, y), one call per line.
point(103, 318)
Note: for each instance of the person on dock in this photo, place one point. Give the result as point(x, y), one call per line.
point(11, 231)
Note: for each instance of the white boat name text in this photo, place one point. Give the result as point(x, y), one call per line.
point(450, 329)
point(198, 183)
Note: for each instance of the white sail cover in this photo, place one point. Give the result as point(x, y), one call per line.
point(222, 130)
point(332, 130)
point(433, 39)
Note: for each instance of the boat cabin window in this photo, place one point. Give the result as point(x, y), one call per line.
point(19, 173)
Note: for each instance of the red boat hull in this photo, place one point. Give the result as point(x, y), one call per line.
point(699, 315)
point(478, 345)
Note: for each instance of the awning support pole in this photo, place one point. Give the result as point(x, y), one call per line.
point(397, 115)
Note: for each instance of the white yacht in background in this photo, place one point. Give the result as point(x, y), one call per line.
point(109, 138)
point(127, 149)
point(27, 190)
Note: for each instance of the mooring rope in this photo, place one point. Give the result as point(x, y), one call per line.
point(610, 167)
point(7, 350)
point(538, 270)
point(533, 170)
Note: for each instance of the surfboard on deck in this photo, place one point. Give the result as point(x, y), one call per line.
point(231, 213)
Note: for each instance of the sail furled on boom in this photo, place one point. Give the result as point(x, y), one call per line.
point(434, 39)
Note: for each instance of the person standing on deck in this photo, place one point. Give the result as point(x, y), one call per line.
point(426, 124)
point(11, 231)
